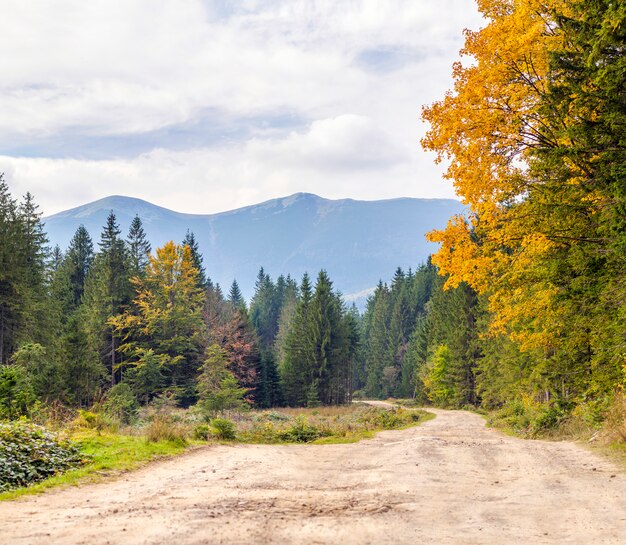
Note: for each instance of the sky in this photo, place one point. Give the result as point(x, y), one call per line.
point(203, 106)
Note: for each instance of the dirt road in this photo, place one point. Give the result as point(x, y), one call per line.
point(449, 481)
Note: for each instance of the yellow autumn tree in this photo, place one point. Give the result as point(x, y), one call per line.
point(166, 319)
point(487, 128)
point(533, 134)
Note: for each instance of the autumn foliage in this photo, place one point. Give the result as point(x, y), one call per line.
point(534, 135)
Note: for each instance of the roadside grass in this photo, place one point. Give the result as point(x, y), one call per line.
point(107, 454)
point(614, 451)
point(599, 426)
point(325, 425)
point(111, 451)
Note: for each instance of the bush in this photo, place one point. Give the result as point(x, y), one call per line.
point(30, 453)
point(121, 403)
point(202, 432)
point(301, 432)
point(223, 428)
point(529, 417)
point(87, 419)
point(615, 422)
point(17, 395)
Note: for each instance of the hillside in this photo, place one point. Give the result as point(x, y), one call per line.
point(357, 242)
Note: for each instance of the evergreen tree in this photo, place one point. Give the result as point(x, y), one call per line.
point(264, 315)
point(235, 297)
point(76, 264)
point(138, 248)
point(285, 320)
point(108, 292)
point(22, 273)
point(198, 260)
point(377, 343)
point(296, 369)
point(56, 259)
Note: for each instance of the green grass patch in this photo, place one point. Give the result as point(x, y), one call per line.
point(325, 425)
point(107, 454)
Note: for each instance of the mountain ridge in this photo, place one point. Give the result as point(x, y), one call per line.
point(357, 242)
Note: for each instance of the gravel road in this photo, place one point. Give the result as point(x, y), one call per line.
point(448, 481)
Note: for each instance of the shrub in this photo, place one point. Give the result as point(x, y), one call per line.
point(202, 432)
point(87, 419)
point(121, 403)
point(301, 432)
point(615, 422)
point(17, 395)
point(223, 428)
point(30, 453)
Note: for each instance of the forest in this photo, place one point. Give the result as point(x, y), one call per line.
point(521, 309)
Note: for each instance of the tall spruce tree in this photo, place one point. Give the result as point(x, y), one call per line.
point(139, 248)
point(296, 368)
point(22, 273)
point(198, 259)
point(76, 264)
point(264, 315)
point(235, 297)
point(108, 292)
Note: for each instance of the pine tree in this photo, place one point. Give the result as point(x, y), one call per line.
point(22, 273)
point(235, 297)
point(377, 342)
point(76, 264)
point(296, 368)
point(198, 259)
point(108, 292)
point(138, 248)
point(285, 320)
point(264, 315)
point(56, 259)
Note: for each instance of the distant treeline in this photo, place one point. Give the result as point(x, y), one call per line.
point(82, 324)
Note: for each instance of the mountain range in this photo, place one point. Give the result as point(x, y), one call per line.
point(357, 242)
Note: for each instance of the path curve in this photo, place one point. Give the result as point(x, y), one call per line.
point(448, 481)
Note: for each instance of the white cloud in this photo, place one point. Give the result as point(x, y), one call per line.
point(110, 68)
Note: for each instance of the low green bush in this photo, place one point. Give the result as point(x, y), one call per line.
point(30, 453)
point(531, 418)
point(301, 432)
point(223, 428)
point(202, 432)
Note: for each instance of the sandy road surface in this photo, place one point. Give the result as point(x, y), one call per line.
point(449, 481)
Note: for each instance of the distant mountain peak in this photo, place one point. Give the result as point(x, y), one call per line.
point(357, 242)
point(291, 199)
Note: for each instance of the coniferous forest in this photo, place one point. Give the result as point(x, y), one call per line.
point(521, 309)
point(111, 318)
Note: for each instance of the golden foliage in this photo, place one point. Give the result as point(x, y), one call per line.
point(487, 129)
